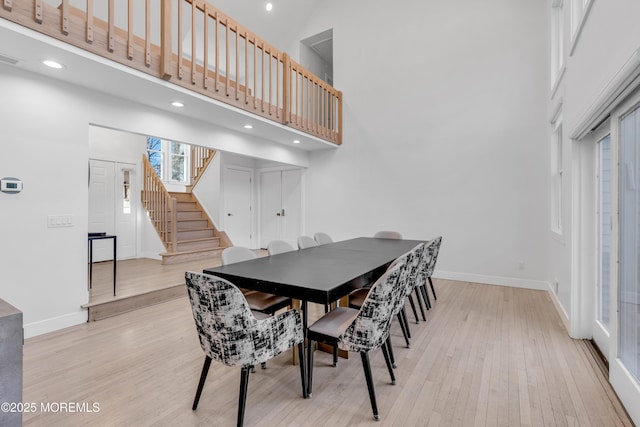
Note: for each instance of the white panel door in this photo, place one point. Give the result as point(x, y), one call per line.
point(270, 207)
point(237, 206)
point(101, 206)
point(126, 203)
point(291, 204)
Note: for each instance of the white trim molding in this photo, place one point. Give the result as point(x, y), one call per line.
point(512, 282)
point(621, 85)
point(53, 324)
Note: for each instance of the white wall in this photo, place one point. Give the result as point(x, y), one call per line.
point(45, 142)
point(445, 132)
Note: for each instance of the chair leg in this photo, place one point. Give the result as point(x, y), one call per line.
point(391, 355)
point(387, 359)
point(406, 321)
point(309, 368)
point(242, 398)
point(433, 291)
point(303, 374)
point(335, 355)
point(404, 329)
point(419, 298)
point(366, 365)
point(203, 377)
point(413, 308)
point(427, 301)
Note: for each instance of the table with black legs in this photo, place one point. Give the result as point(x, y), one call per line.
point(321, 274)
point(100, 236)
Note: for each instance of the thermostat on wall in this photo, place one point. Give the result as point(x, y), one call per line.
point(10, 185)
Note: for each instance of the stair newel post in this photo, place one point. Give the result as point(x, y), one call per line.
point(174, 224)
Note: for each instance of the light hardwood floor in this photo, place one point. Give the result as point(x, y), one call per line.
point(488, 356)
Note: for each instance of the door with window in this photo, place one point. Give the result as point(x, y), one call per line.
point(280, 206)
point(113, 208)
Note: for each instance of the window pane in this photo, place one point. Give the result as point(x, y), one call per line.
point(154, 153)
point(177, 168)
point(604, 225)
point(629, 294)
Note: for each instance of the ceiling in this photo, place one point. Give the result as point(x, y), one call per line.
point(25, 49)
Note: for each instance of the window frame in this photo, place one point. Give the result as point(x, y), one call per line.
point(579, 11)
point(166, 160)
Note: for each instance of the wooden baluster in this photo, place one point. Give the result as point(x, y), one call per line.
point(217, 49)
point(262, 79)
point(193, 41)
point(166, 35)
point(226, 54)
point(237, 62)
point(130, 28)
point(39, 13)
point(286, 88)
point(180, 4)
point(65, 17)
point(174, 224)
point(205, 79)
point(255, 72)
point(89, 21)
point(147, 34)
point(246, 68)
point(110, 31)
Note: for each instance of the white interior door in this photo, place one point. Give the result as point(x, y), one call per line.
point(270, 207)
point(291, 204)
point(101, 206)
point(237, 206)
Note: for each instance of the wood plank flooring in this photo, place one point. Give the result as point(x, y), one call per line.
point(488, 356)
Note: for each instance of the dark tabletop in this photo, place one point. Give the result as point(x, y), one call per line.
point(320, 274)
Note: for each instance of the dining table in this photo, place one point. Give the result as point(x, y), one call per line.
point(321, 274)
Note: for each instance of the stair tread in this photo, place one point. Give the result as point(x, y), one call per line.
point(193, 251)
point(202, 239)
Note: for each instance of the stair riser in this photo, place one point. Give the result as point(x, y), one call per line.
point(192, 246)
point(182, 197)
point(190, 225)
point(194, 234)
point(189, 215)
point(186, 206)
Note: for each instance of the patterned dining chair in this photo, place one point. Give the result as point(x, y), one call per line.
point(322, 238)
point(361, 330)
point(306, 242)
point(434, 250)
point(230, 334)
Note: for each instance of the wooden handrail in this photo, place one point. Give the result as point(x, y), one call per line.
point(226, 62)
point(200, 159)
point(162, 208)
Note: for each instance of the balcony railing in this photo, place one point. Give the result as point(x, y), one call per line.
point(192, 44)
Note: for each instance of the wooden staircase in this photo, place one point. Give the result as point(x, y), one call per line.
point(196, 237)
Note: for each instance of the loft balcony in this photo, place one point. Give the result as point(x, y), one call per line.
point(192, 45)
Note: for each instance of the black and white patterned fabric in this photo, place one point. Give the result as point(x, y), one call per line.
point(433, 249)
point(370, 328)
point(228, 331)
point(407, 279)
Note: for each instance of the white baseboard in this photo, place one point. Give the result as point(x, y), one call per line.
point(560, 309)
point(49, 325)
point(513, 282)
point(150, 255)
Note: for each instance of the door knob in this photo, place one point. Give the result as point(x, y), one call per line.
point(229, 214)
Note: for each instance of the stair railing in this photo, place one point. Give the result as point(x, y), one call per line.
point(161, 207)
point(200, 159)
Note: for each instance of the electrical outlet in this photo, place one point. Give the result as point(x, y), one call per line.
point(57, 221)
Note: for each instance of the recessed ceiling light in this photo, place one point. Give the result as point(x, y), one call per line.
point(52, 64)
point(177, 104)
point(296, 141)
point(269, 7)
point(248, 126)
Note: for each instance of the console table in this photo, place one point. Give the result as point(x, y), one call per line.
point(102, 236)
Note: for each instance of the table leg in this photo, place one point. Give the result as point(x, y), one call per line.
point(295, 304)
point(115, 246)
point(90, 262)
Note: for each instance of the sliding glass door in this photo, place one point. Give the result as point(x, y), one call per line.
point(625, 369)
